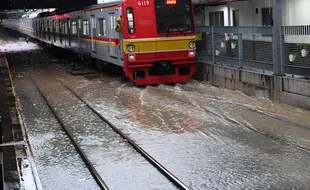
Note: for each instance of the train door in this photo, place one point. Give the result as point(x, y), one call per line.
point(79, 32)
point(45, 30)
point(44, 33)
point(54, 31)
point(69, 32)
point(60, 31)
point(42, 30)
point(112, 36)
point(48, 30)
point(65, 32)
point(93, 34)
point(120, 35)
point(37, 28)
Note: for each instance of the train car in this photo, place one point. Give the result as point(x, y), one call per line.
point(152, 40)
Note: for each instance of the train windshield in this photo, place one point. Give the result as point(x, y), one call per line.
point(173, 16)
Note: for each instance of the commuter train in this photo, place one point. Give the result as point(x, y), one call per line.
point(152, 40)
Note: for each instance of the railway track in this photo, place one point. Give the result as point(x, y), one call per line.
point(87, 162)
point(173, 179)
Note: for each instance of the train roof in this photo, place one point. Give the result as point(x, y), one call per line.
point(62, 11)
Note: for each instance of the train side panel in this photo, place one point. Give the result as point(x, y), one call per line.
point(103, 40)
point(90, 31)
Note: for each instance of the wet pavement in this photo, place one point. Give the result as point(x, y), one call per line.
point(210, 138)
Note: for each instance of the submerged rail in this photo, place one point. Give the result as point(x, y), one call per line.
point(142, 152)
point(87, 162)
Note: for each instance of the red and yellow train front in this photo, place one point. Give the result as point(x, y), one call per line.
point(158, 41)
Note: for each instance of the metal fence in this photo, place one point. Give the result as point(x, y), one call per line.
point(297, 60)
point(252, 48)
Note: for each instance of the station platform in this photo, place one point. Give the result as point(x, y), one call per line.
point(12, 146)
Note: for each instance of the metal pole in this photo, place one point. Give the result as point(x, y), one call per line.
point(282, 54)
point(240, 49)
point(229, 15)
point(213, 44)
point(277, 39)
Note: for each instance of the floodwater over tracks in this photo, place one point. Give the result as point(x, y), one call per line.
point(208, 137)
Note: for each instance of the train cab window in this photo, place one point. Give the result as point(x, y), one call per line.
point(74, 30)
point(102, 27)
point(174, 16)
point(85, 27)
point(130, 20)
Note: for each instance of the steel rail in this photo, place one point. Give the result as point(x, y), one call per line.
point(90, 167)
point(148, 157)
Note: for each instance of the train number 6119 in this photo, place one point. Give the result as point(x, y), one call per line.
point(143, 3)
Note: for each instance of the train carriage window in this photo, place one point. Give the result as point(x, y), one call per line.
point(69, 27)
point(74, 30)
point(80, 23)
point(93, 22)
point(130, 19)
point(56, 27)
point(65, 28)
point(51, 26)
point(112, 21)
point(85, 27)
point(102, 27)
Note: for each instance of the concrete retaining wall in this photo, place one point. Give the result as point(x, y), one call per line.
point(292, 91)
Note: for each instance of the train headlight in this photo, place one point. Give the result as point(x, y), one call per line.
point(191, 45)
point(131, 48)
point(131, 57)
